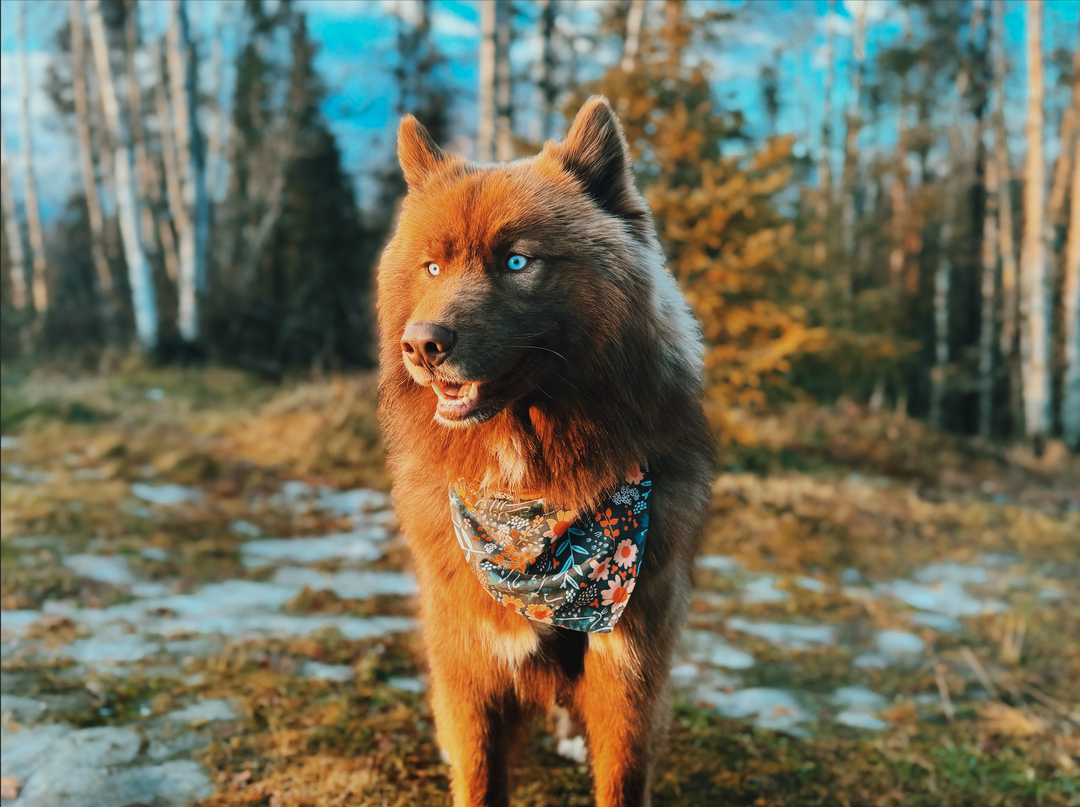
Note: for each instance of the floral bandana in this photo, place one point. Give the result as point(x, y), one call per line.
point(560, 567)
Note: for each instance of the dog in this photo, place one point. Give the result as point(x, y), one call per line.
point(542, 406)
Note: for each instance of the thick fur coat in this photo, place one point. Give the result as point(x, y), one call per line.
point(556, 378)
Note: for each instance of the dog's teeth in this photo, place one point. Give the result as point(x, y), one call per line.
point(438, 390)
point(474, 390)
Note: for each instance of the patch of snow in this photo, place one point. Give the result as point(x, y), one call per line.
point(860, 720)
point(112, 648)
point(147, 589)
point(347, 502)
point(573, 748)
point(242, 527)
point(168, 495)
point(851, 576)
point(111, 569)
point(898, 645)
point(24, 709)
point(948, 598)
point(858, 697)
point(952, 573)
point(774, 709)
point(358, 546)
point(16, 622)
point(20, 474)
point(349, 584)
point(7, 443)
point(155, 394)
point(810, 583)
point(870, 661)
point(718, 563)
point(706, 647)
point(406, 684)
point(797, 637)
point(154, 553)
point(939, 622)
point(1051, 594)
point(684, 673)
point(327, 672)
point(764, 590)
point(202, 712)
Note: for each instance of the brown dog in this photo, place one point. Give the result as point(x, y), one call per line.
point(534, 343)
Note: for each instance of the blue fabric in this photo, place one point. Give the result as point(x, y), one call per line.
point(560, 567)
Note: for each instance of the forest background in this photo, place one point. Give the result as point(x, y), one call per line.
point(868, 200)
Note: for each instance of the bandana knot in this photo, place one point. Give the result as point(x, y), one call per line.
point(561, 567)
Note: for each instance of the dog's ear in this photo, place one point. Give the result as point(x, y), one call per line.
point(417, 152)
point(595, 151)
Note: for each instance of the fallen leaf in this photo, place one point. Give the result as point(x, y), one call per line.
point(1005, 721)
point(9, 787)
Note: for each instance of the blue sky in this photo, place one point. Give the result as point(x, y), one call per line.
point(357, 55)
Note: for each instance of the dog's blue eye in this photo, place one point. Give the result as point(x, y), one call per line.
point(516, 262)
point(433, 269)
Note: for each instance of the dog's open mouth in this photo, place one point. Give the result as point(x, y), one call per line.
point(457, 401)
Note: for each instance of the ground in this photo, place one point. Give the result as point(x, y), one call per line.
point(206, 600)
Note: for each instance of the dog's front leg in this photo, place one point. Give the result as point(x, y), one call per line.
point(477, 712)
point(625, 712)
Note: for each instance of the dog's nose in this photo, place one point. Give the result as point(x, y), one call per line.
point(427, 343)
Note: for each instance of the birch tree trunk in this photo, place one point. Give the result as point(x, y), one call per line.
point(12, 233)
point(634, 19)
point(988, 294)
point(1006, 244)
point(39, 289)
point(166, 126)
point(1070, 399)
point(86, 162)
point(485, 132)
point(140, 276)
point(504, 134)
point(183, 73)
point(1060, 182)
point(1034, 297)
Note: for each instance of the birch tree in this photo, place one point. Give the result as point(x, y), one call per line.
point(1070, 399)
point(485, 131)
point(825, 164)
point(988, 280)
point(140, 277)
point(39, 288)
point(12, 233)
point(634, 20)
point(169, 161)
point(851, 138)
point(86, 161)
point(183, 73)
point(1034, 297)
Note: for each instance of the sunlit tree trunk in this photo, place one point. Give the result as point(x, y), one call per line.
point(140, 277)
point(219, 133)
point(485, 131)
point(1070, 403)
point(634, 19)
point(504, 132)
point(12, 233)
point(1007, 247)
point(39, 286)
point(145, 170)
point(86, 161)
point(1034, 297)
point(183, 73)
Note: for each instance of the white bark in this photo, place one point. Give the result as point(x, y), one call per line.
point(39, 289)
point(504, 135)
point(12, 234)
point(634, 19)
point(485, 131)
point(183, 73)
point(1034, 296)
point(851, 137)
point(140, 276)
point(1070, 403)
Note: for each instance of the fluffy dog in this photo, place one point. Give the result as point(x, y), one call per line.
point(541, 399)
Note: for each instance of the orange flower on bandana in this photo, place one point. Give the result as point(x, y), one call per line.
point(599, 569)
point(511, 603)
point(625, 554)
point(561, 523)
point(541, 613)
point(634, 476)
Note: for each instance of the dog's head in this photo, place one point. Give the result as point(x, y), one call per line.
point(517, 279)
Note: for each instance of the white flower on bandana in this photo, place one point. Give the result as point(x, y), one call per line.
point(618, 592)
point(599, 569)
point(625, 554)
